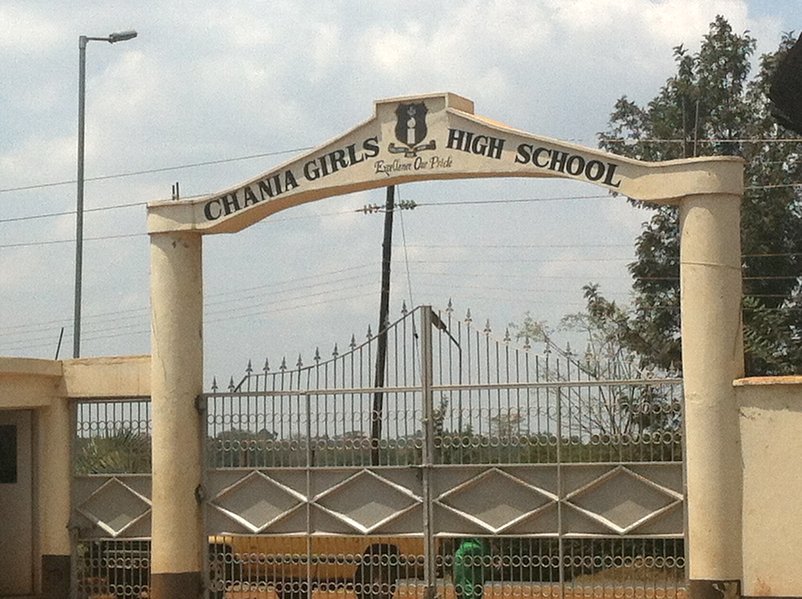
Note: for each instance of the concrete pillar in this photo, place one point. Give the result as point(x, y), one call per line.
point(178, 545)
point(712, 357)
point(54, 477)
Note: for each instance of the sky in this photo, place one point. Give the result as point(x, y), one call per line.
point(212, 93)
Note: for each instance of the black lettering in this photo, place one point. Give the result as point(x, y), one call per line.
point(371, 147)
point(536, 156)
point(594, 170)
point(558, 161)
point(289, 180)
point(479, 144)
point(524, 154)
point(324, 166)
point(266, 188)
point(353, 157)
point(456, 139)
point(250, 197)
point(212, 209)
point(338, 160)
point(311, 172)
point(575, 165)
point(495, 147)
point(230, 203)
point(608, 180)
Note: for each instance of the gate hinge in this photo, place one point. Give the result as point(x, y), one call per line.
point(200, 494)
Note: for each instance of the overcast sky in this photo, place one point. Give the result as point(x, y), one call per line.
point(212, 93)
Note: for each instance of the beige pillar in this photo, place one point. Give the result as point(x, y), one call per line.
point(178, 428)
point(712, 357)
point(54, 476)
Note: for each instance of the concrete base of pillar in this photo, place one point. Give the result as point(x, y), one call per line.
point(714, 589)
point(184, 585)
point(56, 576)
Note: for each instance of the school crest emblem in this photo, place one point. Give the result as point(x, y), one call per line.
point(411, 130)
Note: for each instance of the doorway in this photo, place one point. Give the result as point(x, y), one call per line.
point(16, 503)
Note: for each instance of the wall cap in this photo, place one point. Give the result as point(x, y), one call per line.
point(30, 367)
point(754, 381)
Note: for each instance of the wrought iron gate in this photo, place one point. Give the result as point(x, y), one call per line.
point(476, 463)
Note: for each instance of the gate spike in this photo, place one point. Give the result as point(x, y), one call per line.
point(231, 384)
point(468, 319)
point(283, 366)
point(487, 330)
point(353, 342)
point(266, 367)
point(214, 384)
point(249, 368)
point(317, 355)
point(588, 354)
point(300, 363)
point(449, 307)
point(527, 345)
point(507, 338)
point(568, 352)
point(370, 333)
point(336, 352)
point(404, 308)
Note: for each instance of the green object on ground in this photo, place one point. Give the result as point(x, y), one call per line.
point(471, 565)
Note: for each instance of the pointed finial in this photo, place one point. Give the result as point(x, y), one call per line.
point(317, 355)
point(214, 384)
point(266, 367)
point(300, 363)
point(249, 368)
point(231, 384)
point(283, 366)
point(487, 330)
point(336, 351)
point(352, 345)
point(449, 307)
point(468, 319)
point(404, 308)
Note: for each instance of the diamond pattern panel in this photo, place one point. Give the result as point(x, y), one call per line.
point(115, 507)
point(367, 501)
point(496, 500)
point(257, 501)
point(622, 500)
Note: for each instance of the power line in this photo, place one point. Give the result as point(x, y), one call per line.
point(156, 170)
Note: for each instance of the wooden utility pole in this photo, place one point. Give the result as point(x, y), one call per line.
point(381, 348)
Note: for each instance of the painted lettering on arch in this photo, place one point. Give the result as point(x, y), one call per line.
point(575, 165)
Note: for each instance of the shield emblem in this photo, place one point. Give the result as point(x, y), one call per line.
point(410, 126)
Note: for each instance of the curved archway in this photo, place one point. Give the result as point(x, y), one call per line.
point(438, 136)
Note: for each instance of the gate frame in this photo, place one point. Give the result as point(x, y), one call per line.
point(708, 192)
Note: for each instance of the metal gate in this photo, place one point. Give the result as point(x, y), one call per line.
point(476, 464)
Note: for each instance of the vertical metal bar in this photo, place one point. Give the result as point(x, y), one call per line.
point(309, 459)
point(73, 531)
point(428, 452)
point(560, 532)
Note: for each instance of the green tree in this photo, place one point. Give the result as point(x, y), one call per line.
point(607, 411)
point(712, 107)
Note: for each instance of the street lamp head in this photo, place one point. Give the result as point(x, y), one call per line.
point(121, 36)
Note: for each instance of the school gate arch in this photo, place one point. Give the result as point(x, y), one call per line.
point(438, 136)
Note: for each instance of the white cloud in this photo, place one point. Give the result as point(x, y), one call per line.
point(206, 81)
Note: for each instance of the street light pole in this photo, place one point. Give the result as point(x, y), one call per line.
point(79, 214)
